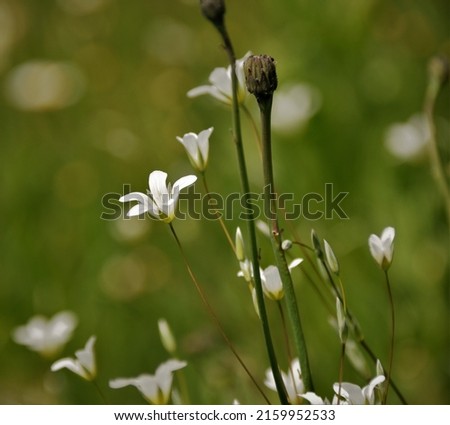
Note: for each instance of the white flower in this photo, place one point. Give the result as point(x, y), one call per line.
point(293, 106)
point(272, 283)
point(197, 148)
point(166, 335)
point(408, 140)
point(353, 394)
point(292, 381)
point(347, 393)
point(220, 80)
point(46, 336)
point(162, 199)
point(155, 388)
point(382, 249)
point(84, 363)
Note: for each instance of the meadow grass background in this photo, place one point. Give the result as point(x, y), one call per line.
point(135, 62)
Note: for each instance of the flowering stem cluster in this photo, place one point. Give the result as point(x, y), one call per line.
point(264, 65)
point(237, 134)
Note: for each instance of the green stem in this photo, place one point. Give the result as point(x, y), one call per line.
point(341, 370)
point(435, 160)
point(251, 221)
point(213, 315)
point(219, 217)
point(391, 349)
point(270, 206)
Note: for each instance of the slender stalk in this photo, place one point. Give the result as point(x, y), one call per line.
point(391, 349)
point(285, 332)
point(212, 313)
point(237, 133)
point(270, 206)
point(219, 217)
point(374, 358)
point(341, 370)
point(436, 81)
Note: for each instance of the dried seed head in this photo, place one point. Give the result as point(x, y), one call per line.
point(214, 10)
point(260, 76)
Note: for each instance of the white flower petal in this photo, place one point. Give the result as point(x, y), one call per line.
point(72, 365)
point(158, 188)
point(220, 78)
point(295, 262)
point(368, 391)
point(86, 356)
point(313, 398)
point(350, 392)
point(203, 143)
point(184, 182)
point(376, 249)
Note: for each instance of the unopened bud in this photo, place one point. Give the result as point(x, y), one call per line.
point(286, 245)
point(240, 249)
point(214, 10)
point(341, 321)
point(167, 338)
point(260, 76)
point(332, 261)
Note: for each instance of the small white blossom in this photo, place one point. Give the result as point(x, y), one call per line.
point(347, 393)
point(293, 107)
point(166, 335)
point(292, 381)
point(83, 364)
point(408, 140)
point(353, 394)
point(197, 148)
point(220, 80)
point(382, 249)
point(162, 199)
point(156, 389)
point(46, 336)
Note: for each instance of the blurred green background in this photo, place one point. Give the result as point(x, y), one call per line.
point(110, 115)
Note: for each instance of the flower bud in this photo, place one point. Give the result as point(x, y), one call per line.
point(240, 250)
point(260, 76)
point(166, 335)
point(332, 261)
point(214, 10)
point(286, 245)
point(341, 321)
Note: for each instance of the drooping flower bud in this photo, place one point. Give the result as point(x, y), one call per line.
point(260, 76)
point(214, 10)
